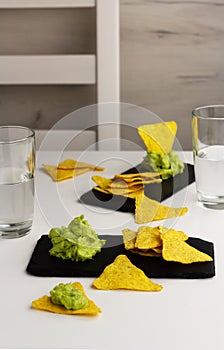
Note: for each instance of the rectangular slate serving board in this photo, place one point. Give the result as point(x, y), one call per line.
point(45, 265)
point(155, 191)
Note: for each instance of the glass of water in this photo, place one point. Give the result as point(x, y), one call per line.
point(208, 151)
point(17, 167)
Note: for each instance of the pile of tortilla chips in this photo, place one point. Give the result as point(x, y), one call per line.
point(45, 303)
point(161, 241)
point(69, 169)
point(128, 185)
point(132, 186)
point(158, 137)
point(122, 274)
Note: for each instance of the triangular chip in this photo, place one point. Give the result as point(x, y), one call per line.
point(122, 274)
point(179, 251)
point(45, 303)
point(169, 233)
point(74, 164)
point(69, 169)
point(148, 238)
point(147, 210)
point(158, 137)
point(149, 252)
point(129, 237)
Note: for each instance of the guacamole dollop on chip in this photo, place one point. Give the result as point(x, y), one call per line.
point(77, 242)
point(69, 296)
point(45, 303)
point(159, 139)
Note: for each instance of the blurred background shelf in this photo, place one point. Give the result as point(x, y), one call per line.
point(100, 67)
point(47, 69)
point(21, 4)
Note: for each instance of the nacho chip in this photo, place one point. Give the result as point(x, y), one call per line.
point(138, 176)
point(129, 237)
point(69, 169)
point(158, 250)
point(158, 137)
point(150, 253)
point(122, 274)
point(169, 233)
point(177, 250)
point(45, 303)
point(147, 210)
point(148, 238)
point(31, 163)
point(74, 164)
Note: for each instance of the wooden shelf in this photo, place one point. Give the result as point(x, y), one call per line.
point(47, 69)
point(29, 4)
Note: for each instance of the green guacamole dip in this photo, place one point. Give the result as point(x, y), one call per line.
point(77, 242)
point(69, 296)
point(168, 164)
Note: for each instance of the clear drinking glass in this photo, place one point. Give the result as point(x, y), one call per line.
point(17, 168)
point(208, 151)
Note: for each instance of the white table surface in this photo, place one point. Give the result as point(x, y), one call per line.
point(187, 314)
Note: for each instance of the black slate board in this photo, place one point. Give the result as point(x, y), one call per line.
point(155, 191)
point(45, 265)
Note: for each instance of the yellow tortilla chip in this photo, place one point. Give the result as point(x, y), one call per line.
point(31, 162)
point(158, 137)
point(147, 210)
point(69, 169)
point(129, 237)
point(44, 303)
point(179, 251)
point(169, 233)
point(148, 238)
point(158, 250)
point(150, 252)
point(74, 164)
point(137, 176)
point(122, 274)
point(102, 182)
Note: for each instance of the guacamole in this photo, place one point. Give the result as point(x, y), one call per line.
point(168, 164)
point(69, 296)
point(77, 242)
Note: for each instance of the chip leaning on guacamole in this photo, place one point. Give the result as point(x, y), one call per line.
point(159, 139)
point(77, 242)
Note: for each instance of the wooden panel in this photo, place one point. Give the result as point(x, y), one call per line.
point(61, 69)
point(42, 106)
point(47, 31)
point(172, 57)
point(45, 3)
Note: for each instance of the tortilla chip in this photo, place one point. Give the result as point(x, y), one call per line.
point(45, 303)
point(102, 182)
point(158, 250)
point(129, 237)
point(138, 176)
point(148, 238)
point(74, 164)
point(31, 163)
point(158, 137)
point(179, 251)
point(169, 233)
point(122, 274)
point(69, 169)
point(147, 210)
point(150, 252)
